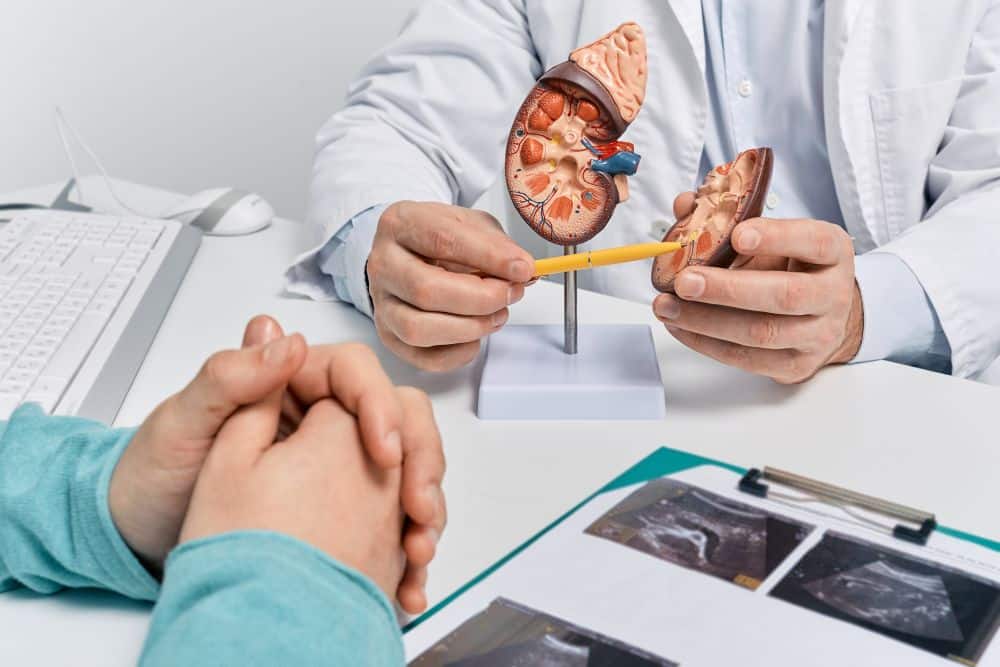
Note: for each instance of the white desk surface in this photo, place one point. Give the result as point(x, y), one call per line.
point(913, 436)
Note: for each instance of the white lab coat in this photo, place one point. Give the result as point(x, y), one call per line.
point(912, 109)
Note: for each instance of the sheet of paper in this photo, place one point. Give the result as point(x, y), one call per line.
point(771, 582)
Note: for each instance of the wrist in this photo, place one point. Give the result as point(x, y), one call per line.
point(853, 330)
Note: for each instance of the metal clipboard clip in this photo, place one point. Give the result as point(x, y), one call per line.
point(752, 483)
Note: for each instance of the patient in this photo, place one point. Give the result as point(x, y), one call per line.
point(302, 488)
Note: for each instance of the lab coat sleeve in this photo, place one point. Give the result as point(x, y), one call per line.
point(427, 118)
point(56, 529)
point(899, 321)
point(260, 598)
point(954, 251)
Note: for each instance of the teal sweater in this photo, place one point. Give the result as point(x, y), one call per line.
point(244, 598)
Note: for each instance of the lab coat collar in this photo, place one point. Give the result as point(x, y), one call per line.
point(688, 13)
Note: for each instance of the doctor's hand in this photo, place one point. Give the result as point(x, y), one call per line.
point(788, 307)
point(318, 485)
point(429, 308)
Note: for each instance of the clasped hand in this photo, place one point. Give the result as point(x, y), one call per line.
point(313, 442)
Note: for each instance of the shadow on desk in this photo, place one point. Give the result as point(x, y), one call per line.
point(697, 387)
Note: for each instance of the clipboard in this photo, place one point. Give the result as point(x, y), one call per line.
point(664, 462)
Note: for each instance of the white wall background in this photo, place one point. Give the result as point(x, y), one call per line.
point(182, 94)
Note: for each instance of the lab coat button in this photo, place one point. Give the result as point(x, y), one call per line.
point(745, 89)
point(772, 200)
point(659, 229)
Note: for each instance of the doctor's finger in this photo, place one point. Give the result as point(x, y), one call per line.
point(760, 330)
point(437, 289)
point(778, 292)
point(435, 359)
point(455, 236)
point(683, 205)
point(419, 328)
point(784, 366)
point(811, 241)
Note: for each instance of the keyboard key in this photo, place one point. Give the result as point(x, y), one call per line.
point(30, 366)
point(50, 384)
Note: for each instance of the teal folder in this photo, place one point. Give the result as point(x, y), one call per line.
point(663, 461)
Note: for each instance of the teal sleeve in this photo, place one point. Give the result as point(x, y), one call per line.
point(56, 529)
point(261, 598)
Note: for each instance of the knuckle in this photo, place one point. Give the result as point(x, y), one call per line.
point(414, 398)
point(433, 361)
point(359, 352)
point(729, 290)
point(795, 371)
point(448, 358)
point(443, 243)
point(493, 299)
point(830, 243)
point(792, 297)
point(393, 214)
point(825, 247)
point(734, 355)
point(764, 332)
point(827, 338)
point(409, 331)
point(421, 294)
point(214, 369)
point(375, 266)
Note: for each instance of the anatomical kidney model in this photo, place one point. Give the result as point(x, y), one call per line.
point(731, 193)
point(565, 169)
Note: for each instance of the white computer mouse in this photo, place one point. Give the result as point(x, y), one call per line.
point(223, 212)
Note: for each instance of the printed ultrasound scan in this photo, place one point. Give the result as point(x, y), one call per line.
point(700, 530)
point(507, 634)
point(927, 605)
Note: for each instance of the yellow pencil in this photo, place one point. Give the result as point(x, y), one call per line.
point(590, 259)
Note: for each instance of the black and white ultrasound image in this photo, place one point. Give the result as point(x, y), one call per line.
point(700, 530)
point(508, 634)
point(927, 605)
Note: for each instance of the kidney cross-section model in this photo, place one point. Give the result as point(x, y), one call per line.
point(566, 170)
point(731, 193)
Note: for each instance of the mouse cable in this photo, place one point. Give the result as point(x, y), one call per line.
point(62, 125)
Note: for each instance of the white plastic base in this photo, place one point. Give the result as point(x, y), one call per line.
point(614, 376)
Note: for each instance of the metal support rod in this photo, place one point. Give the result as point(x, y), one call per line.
point(569, 306)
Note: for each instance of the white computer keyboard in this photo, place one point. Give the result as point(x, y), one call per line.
point(63, 277)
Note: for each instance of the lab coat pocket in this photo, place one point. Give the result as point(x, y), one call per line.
point(909, 125)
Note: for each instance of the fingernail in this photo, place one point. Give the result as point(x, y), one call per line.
point(690, 284)
point(749, 239)
point(277, 351)
point(261, 330)
point(500, 318)
point(394, 443)
point(520, 271)
point(667, 306)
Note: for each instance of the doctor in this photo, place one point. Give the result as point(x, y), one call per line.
point(882, 233)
